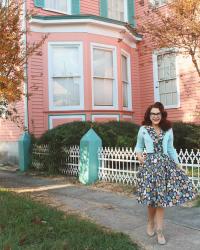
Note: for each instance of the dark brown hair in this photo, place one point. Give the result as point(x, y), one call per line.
point(164, 123)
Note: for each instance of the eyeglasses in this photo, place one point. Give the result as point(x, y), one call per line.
point(155, 114)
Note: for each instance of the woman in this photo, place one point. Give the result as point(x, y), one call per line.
point(160, 180)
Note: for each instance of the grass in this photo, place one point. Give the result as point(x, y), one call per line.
point(26, 224)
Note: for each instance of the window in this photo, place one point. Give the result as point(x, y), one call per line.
point(65, 71)
point(167, 79)
point(117, 9)
point(158, 3)
point(125, 61)
point(58, 5)
point(4, 2)
point(104, 77)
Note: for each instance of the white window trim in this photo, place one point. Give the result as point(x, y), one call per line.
point(152, 3)
point(155, 77)
point(58, 117)
point(69, 8)
point(115, 81)
point(125, 12)
point(127, 55)
point(105, 116)
point(81, 89)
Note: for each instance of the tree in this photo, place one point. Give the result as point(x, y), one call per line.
point(176, 27)
point(14, 52)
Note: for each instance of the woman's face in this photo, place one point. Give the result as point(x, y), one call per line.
point(155, 116)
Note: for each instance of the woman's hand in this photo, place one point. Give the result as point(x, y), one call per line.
point(141, 158)
point(180, 167)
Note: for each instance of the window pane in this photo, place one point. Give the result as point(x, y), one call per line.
point(158, 2)
point(66, 92)
point(163, 99)
point(116, 9)
point(174, 98)
point(167, 79)
point(65, 61)
point(125, 94)
point(160, 68)
point(124, 69)
point(59, 5)
point(103, 92)
point(169, 99)
point(103, 63)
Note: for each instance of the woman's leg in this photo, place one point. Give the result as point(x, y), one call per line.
point(159, 217)
point(151, 211)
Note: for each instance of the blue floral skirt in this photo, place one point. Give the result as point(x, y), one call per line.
point(160, 183)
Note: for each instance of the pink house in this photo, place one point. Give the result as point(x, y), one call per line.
point(94, 67)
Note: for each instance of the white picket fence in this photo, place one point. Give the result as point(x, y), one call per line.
point(120, 164)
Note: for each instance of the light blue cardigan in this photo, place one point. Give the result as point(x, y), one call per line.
point(145, 140)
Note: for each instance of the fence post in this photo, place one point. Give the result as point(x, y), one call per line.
point(89, 164)
point(24, 144)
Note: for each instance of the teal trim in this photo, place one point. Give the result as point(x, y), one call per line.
point(89, 162)
point(98, 18)
point(104, 8)
point(24, 145)
point(75, 7)
point(131, 12)
point(39, 3)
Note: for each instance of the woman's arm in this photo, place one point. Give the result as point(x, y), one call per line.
point(170, 148)
point(139, 148)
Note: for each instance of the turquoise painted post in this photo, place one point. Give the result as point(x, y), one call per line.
point(24, 144)
point(89, 164)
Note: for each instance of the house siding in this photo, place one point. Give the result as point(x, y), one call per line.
point(36, 78)
point(90, 7)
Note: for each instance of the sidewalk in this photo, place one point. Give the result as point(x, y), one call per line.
point(115, 211)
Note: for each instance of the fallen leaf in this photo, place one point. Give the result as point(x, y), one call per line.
point(22, 240)
point(37, 220)
point(7, 247)
point(2, 227)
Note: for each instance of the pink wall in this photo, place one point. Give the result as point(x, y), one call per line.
point(90, 7)
point(10, 131)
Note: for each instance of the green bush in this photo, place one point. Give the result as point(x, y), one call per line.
point(113, 134)
point(186, 136)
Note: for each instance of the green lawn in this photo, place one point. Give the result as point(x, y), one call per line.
point(25, 224)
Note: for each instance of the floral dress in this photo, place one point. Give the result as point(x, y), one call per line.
point(160, 183)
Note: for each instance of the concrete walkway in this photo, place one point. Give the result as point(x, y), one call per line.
point(115, 211)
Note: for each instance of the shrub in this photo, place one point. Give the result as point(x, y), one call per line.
point(186, 136)
point(113, 134)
